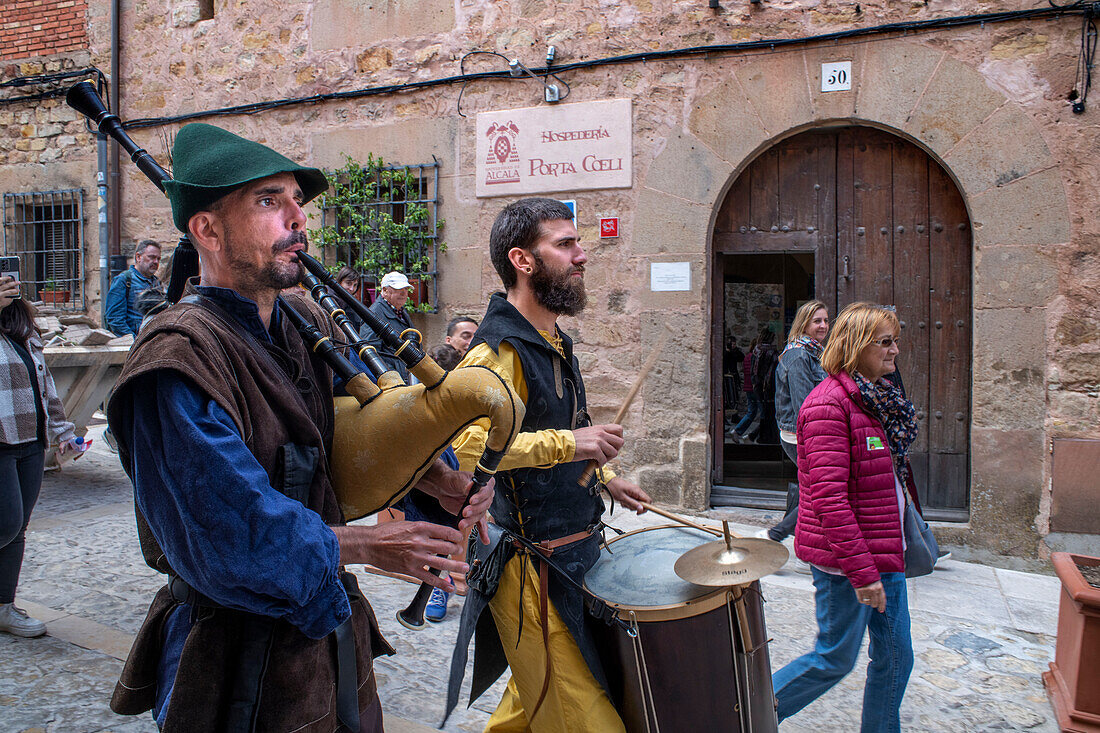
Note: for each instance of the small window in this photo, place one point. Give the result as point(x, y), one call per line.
point(46, 231)
point(391, 223)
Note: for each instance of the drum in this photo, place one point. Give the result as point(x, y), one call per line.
point(696, 657)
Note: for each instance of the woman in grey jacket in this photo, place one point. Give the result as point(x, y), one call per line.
point(799, 371)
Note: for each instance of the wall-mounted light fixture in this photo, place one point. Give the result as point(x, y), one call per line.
point(550, 92)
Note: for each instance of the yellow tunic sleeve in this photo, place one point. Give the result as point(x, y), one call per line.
point(540, 449)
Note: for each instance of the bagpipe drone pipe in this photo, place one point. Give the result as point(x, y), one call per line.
point(387, 434)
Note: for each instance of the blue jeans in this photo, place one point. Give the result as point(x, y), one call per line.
point(841, 621)
point(750, 415)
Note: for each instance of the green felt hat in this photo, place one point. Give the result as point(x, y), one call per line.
point(209, 162)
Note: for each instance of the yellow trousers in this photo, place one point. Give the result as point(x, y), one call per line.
point(574, 702)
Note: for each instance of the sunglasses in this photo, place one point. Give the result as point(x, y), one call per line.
point(887, 341)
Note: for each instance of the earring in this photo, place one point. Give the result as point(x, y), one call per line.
point(527, 270)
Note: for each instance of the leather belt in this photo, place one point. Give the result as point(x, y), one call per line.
point(547, 547)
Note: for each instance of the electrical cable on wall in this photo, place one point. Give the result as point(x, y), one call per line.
point(462, 72)
point(1083, 80)
point(54, 78)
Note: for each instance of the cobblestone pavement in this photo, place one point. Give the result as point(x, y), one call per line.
point(982, 636)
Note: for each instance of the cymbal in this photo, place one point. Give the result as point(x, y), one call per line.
point(732, 561)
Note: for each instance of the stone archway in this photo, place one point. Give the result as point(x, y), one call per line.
point(1013, 191)
point(853, 214)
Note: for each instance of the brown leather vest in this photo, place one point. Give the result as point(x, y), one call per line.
point(270, 410)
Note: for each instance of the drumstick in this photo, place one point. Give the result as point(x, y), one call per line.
point(681, 520)
point(591, 467)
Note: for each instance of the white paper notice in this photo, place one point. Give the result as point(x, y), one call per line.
point(665, 276)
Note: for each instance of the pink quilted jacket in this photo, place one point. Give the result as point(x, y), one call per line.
point(848, 508)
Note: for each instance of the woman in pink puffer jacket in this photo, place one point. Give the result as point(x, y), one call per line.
point(854, 432)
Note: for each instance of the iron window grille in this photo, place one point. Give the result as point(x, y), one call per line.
point(407, 196)
point(45, 229)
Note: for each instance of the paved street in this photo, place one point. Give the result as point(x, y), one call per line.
point(982, 636)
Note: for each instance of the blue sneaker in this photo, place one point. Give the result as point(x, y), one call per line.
point(436, 609)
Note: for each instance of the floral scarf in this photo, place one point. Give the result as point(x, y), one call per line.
point(898, 417)
point(811, 345)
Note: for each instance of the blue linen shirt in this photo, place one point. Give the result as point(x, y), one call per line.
point(223, 528)
point(123, 317)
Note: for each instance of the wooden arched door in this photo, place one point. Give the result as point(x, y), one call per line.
point(886, 224)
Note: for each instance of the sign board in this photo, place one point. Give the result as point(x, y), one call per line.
point(669, 276)
point(609, 227)
point(572, 204)
point(564, 147)
point(836, 76)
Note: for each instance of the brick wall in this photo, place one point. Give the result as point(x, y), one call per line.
point(42, 27)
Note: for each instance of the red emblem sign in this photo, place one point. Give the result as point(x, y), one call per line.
point(609, 227)
point(502, 164)
point(503, 148)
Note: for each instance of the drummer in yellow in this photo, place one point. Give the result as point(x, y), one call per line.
point(539, 618)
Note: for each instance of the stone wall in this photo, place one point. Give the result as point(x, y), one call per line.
point(988, 102)
point(45, 145)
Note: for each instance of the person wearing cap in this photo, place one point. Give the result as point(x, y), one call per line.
point(390, 308)
point(224, 421)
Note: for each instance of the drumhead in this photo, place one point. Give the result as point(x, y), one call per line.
point(635, 573)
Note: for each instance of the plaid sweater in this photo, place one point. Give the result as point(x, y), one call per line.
point(18, 413)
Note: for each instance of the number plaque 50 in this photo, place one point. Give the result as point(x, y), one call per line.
point(836, 76)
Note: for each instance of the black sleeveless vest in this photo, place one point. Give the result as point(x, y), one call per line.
point(542, 503)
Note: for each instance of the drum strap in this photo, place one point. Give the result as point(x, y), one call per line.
point(541, 553)
point(546, 548)
point(544, 620)
point(596, 605)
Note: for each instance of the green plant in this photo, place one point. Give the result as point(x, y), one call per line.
point(372, 211)
point(52, 285)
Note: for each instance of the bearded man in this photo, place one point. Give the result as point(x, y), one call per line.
point(538, 620)
point(224, 420)
point(122, 312)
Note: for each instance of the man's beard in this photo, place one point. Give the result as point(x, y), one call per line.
point(272, 274)
point(558, 292)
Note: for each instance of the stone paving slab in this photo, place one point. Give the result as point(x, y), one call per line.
point(982, 636)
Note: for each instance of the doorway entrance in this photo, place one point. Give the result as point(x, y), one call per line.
point(846, 214)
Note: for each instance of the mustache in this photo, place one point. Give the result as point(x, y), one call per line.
point(298, 237)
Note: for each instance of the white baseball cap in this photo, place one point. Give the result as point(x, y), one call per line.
point(395, 280)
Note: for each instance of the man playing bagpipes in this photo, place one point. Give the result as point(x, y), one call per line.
point(225, 425)
point(537, 623)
